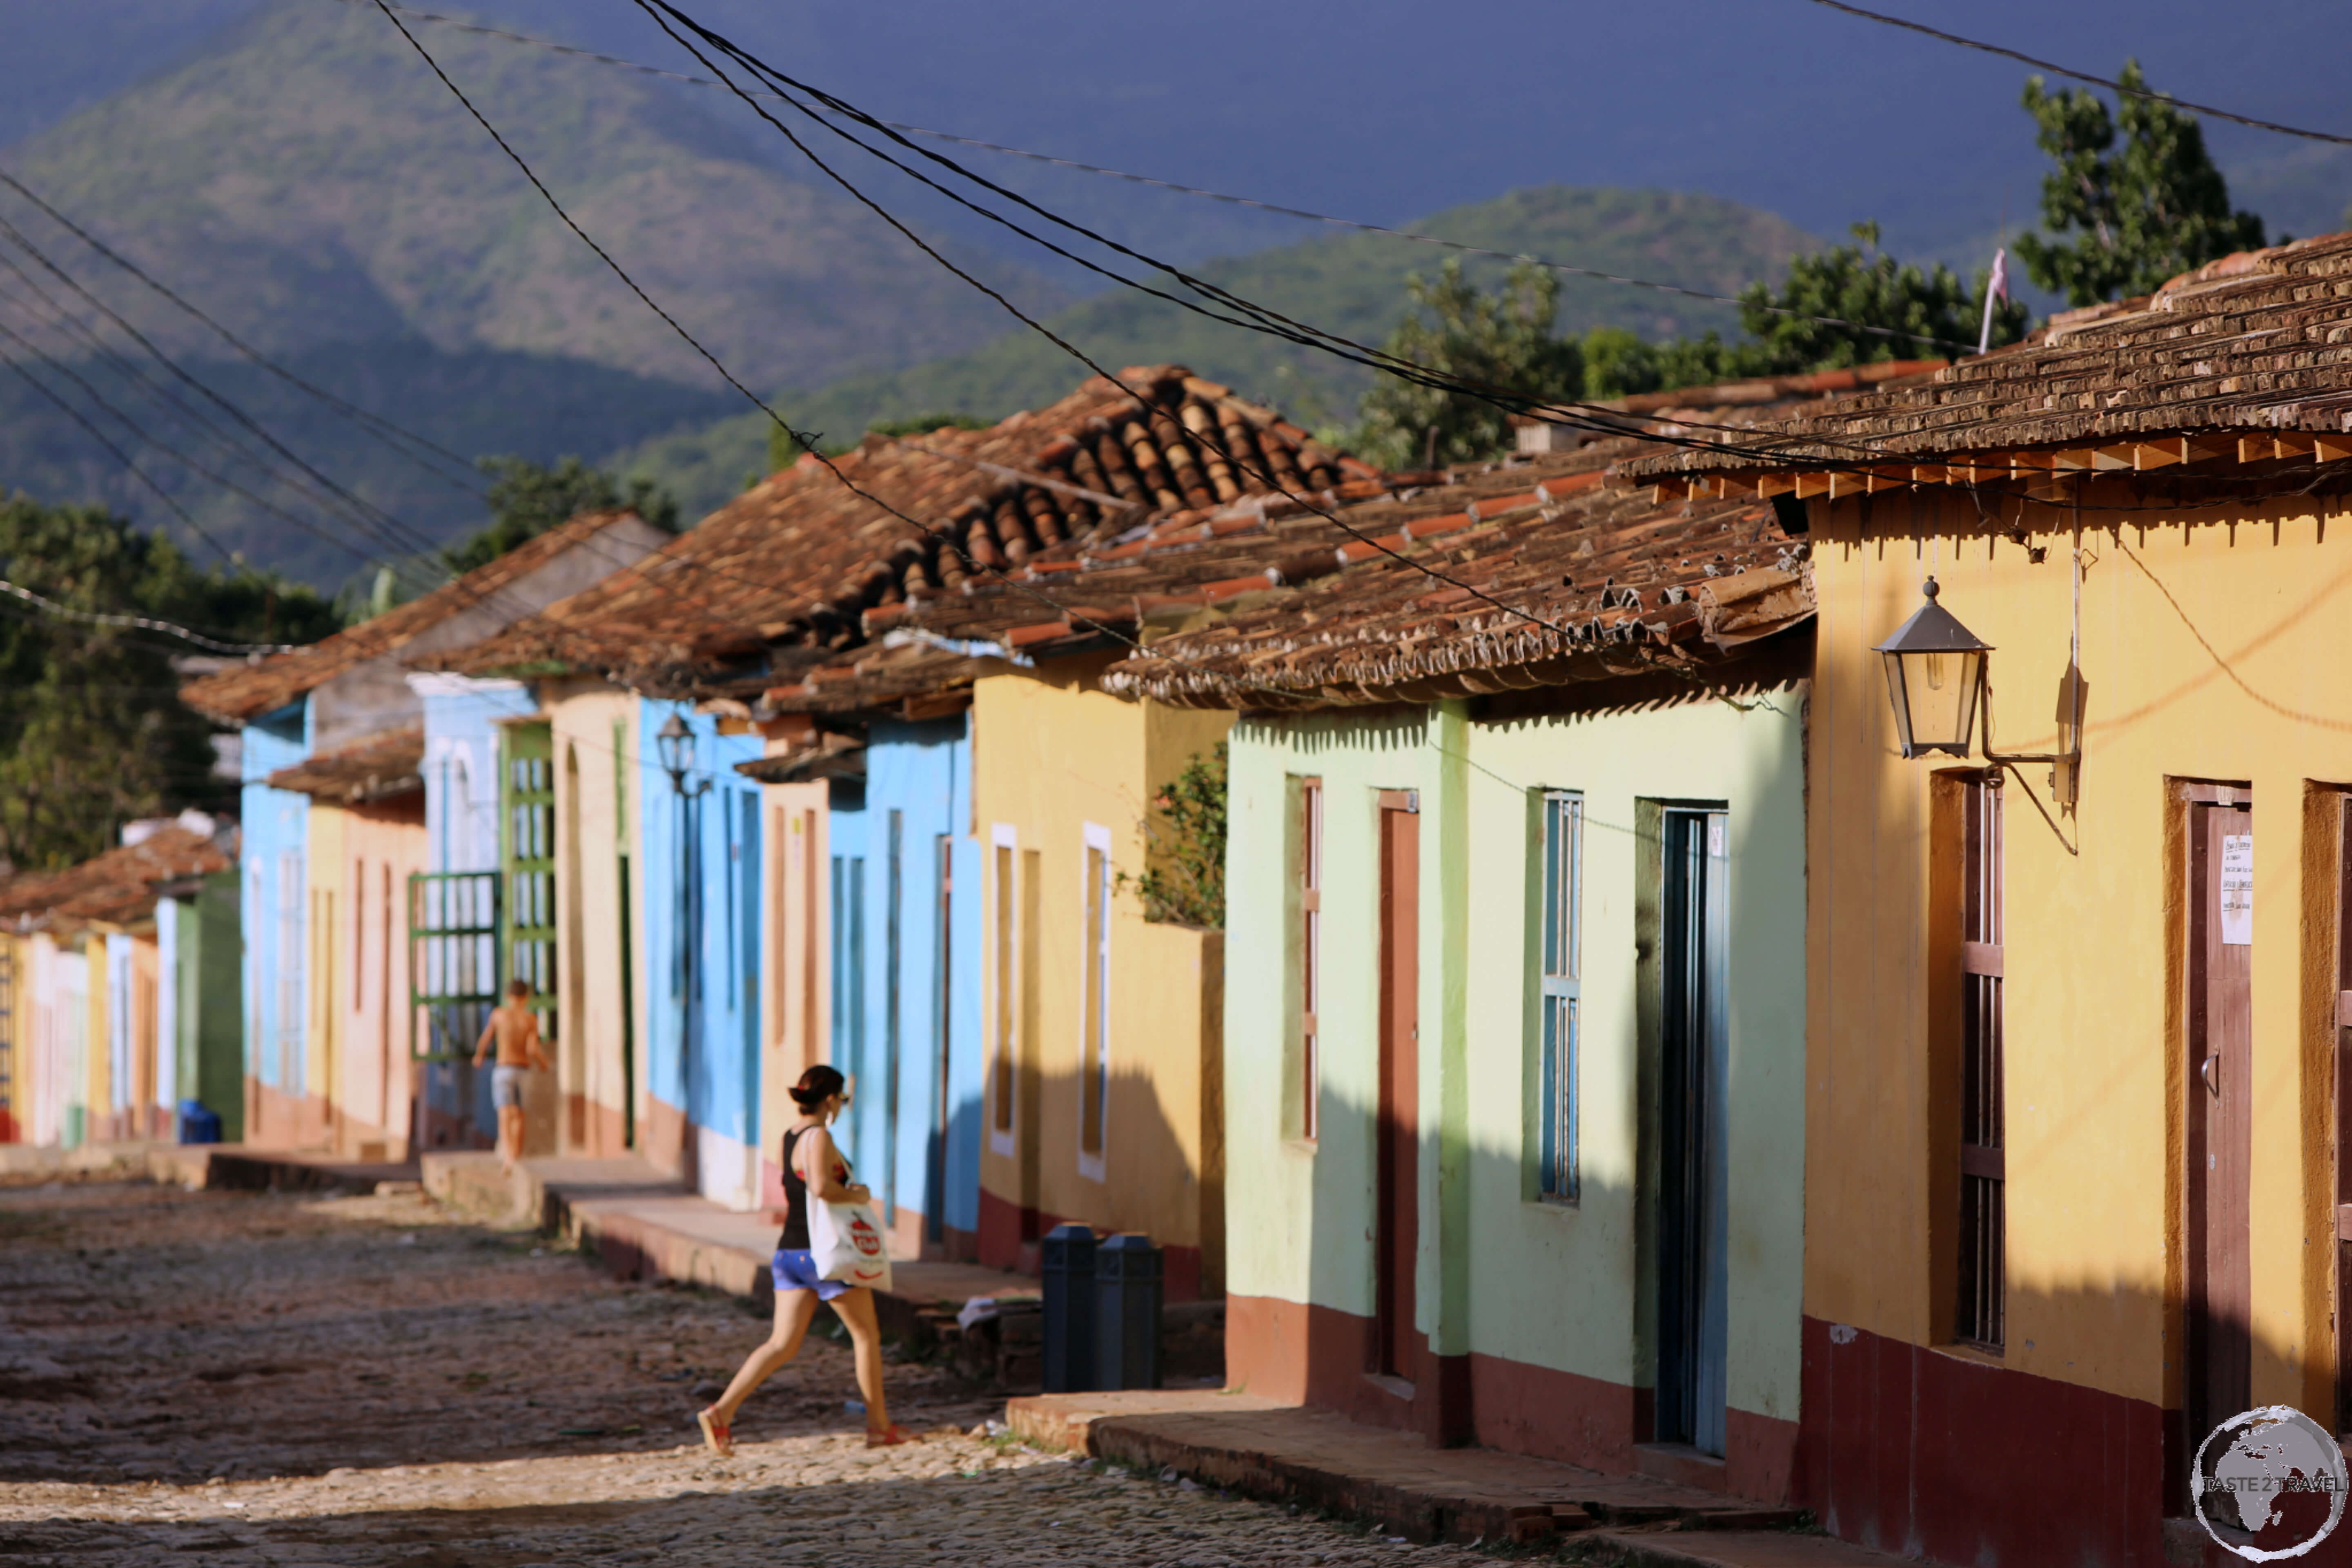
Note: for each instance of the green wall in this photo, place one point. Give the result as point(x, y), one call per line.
point(211, 1009)
point(1501, 1272)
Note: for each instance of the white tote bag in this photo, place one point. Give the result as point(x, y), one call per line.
point(846, 1244)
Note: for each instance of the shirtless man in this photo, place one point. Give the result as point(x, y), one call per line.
point(516, 1029)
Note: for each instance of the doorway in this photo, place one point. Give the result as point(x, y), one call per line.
point(1397, 1137)
point(2219, 1079)
point(1694, 1287)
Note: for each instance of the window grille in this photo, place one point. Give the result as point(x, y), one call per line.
point(1983, 1207)
point(1310, 955)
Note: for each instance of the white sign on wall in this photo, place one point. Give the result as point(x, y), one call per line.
point(2238, 889)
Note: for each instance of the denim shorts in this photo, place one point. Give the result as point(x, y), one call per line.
point(794, 1269)
point(506, 1086)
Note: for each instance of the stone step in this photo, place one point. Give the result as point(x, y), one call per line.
point(1255, 1447)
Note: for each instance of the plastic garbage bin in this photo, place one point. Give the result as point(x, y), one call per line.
point(198, 1125)
point(1127, 1311)
point(1069, 1267)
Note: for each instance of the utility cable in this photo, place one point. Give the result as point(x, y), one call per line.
point(141, 622)
point(185, 461)
point(1069, 614)
point(1564, 268)
point(1595, 418)
point(383, 429)
point(221, 440)
point(119, 456)
point(379, 524)
point(2111, 85)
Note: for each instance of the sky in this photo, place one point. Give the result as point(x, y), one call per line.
point(1388, 109)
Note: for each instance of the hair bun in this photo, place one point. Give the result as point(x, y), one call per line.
point(816, 1086)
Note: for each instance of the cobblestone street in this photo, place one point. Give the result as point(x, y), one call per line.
point(283, 1379)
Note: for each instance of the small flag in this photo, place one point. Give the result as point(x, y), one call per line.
point(1996, 288)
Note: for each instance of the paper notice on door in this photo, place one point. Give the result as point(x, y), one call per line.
point(2238, 889)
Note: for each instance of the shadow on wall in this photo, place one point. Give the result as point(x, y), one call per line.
point(1162, 1175)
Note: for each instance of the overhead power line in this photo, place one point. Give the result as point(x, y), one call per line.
point(48, 606)
point(383, 429)
point(2206, 110)
point(1464, 247)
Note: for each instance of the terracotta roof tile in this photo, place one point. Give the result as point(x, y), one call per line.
point(2259, 342)
point(119, 887)
point(796, 569)
point(380, 767)
point(246, 691)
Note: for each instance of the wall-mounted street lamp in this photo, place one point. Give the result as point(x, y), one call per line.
point(1935, 676)
point(1934, 673)
point(676, 742)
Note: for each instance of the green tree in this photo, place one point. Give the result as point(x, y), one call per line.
point(1184, 882)
point(92, 733)
point(1919, 315)
point(527, 498)
point(2123, 219)
point(1501, 340)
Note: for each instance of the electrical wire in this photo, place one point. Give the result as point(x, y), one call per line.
point(1564, 268)
point(222, 441)
point(133, 468)
point(141, 622)
point(2207, 111)
point(383, 429)
point(233, 486)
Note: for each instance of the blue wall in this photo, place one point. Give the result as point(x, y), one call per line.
point(276, 825)
point(913, 1128)
point(699, 890)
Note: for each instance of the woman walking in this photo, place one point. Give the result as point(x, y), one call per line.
point(813, 1168)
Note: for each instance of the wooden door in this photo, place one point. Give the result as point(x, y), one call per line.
point(2220, 1082)
point(1396, 1349)
point(2342, 833)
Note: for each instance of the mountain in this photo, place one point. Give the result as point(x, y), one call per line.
point(1351, 284)
point(305, 178)
point(309, 179)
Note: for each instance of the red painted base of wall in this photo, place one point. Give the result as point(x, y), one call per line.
point(1009, 1235)
point(1317, 1355)
point(1915, 1451)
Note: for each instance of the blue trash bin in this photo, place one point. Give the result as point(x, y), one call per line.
point(198, 1125)
point(1127, 1311)
point(1068, 1268)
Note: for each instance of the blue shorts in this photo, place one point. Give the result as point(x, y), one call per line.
point(794, 1269)
point(506, 1086)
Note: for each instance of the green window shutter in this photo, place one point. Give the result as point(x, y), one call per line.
point(527, 856)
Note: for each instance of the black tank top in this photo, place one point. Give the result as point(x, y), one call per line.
point(795, 1237)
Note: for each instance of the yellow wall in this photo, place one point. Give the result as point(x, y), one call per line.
point(2211, 654)
point(593, 775)
point(796, 969)
point(1052, 756)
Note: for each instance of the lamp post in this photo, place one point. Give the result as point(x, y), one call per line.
point(1937, 678)
point(675, 740)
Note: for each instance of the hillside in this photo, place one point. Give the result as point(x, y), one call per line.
point(304, 178)
point(1353, 284)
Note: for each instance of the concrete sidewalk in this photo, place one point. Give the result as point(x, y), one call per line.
point(236, 1167)
point(1261, 1448)
point(643, 1225)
